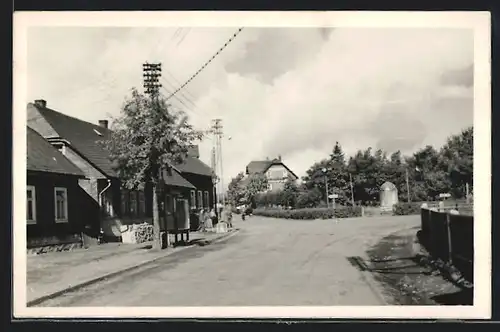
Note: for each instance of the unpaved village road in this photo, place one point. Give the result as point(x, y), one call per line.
point(269, 262)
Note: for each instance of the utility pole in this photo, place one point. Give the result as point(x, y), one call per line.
point(151, 74)
point(215, 179)
point(218, 134)
point(407, 185)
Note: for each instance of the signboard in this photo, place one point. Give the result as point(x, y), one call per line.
point(333, 196)
point(444, 195)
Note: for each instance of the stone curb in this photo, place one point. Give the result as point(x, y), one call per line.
point(51, 296)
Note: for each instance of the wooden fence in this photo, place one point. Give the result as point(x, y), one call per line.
point(449, 238)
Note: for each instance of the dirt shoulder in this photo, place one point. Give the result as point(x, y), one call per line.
point(393, 264)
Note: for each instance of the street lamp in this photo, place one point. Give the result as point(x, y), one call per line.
point(408, 181)
point(324, 170)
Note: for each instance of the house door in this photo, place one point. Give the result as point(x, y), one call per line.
point(182, 214)
point(169, 213)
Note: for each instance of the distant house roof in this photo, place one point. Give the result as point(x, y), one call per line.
point(261, 166)
point(43, 157)
point(258, 166)
point(82, 136)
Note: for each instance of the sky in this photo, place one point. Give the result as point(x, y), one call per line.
point(289, 92)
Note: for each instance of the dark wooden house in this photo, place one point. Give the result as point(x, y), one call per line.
point(53, 196)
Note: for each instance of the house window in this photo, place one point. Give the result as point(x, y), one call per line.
point(193, 199)
point(200, 199)
point(61, 204)
point(205, 199)
point(142, 203)
point(30, 205)
point(124, 203)
point(133, 203)
point(169, 204)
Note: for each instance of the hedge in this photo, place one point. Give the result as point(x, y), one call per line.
point(310, 213)
point(404, 209)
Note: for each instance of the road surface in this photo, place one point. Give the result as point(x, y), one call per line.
point(270, 262)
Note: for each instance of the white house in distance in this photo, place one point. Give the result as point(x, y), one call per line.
point(276, 171)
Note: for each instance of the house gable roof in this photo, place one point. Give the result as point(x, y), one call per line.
point(194, 166)
point(43, 157)
point(261, 166)
point(82, 136)
point(175, 179)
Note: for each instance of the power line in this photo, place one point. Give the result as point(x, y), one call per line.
point(177, 82)
point(184, 104)
point(180, 92)
point(184, 36)
point(206, 63)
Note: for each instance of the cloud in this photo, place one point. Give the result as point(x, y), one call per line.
point(463, 77)
point(289, 92)
point(276, 51)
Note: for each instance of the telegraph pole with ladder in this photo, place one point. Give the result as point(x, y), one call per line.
point(151, 74)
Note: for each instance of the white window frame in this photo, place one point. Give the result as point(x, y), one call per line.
point(193, 199)
point(133, 203)
point(33, 202)
point(124, 203)
point(141, 210)
point(200, 199)
point(206, 199)
point(56, 189)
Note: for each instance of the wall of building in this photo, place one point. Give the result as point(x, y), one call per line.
point(202, 183)
point(46, 231)
point(277, 176)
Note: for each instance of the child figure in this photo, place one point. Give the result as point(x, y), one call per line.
point(208, 221)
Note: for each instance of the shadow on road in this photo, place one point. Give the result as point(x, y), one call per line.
point(405, 280)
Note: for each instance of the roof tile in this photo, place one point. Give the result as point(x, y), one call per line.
point(43, 157)
point(83, 136)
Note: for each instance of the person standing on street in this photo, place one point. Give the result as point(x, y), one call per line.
point(229, 216)
point(208, 220)
point(201, 221)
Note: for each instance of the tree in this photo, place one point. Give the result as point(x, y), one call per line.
point(432, 179)
point(366, 169)
point(148, 138)
point(308, 198)
point(256, 184)
point(458, 161)
point(236, 190)
point(338, 176)
point(289, 194)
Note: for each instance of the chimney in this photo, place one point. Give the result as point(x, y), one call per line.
point(279, 158)
point(103, 123)
point(40, 103)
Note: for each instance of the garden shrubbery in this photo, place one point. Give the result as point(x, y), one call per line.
point(310, 213)
point(404, 209)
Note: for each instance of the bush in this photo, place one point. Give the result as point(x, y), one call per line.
point(310, 213)
point(404, 209)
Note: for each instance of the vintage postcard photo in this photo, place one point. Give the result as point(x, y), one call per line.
point(243, 164)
